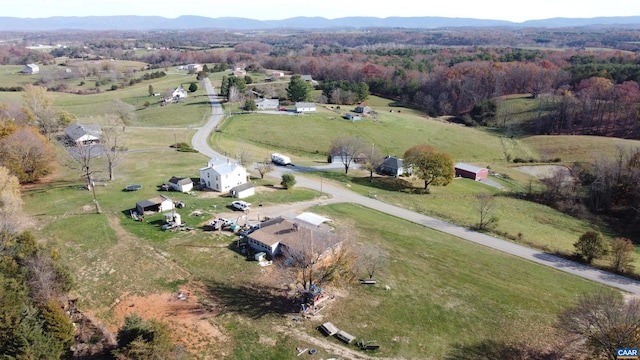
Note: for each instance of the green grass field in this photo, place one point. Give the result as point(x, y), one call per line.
point(448, 296)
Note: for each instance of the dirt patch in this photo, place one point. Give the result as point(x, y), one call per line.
point(187, 319)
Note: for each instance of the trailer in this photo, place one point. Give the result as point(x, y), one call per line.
point(280, 159)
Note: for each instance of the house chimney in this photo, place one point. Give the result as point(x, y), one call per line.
point(228, 161)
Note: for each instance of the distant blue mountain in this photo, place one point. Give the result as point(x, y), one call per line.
point(132, 22)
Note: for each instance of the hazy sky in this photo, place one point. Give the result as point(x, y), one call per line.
point(512, 10)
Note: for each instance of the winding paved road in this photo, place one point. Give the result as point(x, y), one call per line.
point(339, 194)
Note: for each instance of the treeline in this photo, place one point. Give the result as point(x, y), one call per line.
point(609, 187)
point(33, 287)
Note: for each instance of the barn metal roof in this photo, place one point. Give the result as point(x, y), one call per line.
point(470, 168)
point(311, 218)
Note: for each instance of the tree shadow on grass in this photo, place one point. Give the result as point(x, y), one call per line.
point(250, 300)
point(496, 350)
point(387, 183)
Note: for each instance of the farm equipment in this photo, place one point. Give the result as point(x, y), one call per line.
point(368, 345)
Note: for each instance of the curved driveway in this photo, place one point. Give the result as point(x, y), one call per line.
point(339, 194)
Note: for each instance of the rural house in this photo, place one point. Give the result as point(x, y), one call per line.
point(305, 107)
point(338, 155)
point(471, 172)
point(194, 67)
point(83, 134)
point(222, 175)
point(267, 104)
point(157, 204)
point(30, 69)
point(243, 191)
point(179, 93)
point(276, 234)
point(239, 72)
point(309, 79)
point(181, 184)
point(392, 166)
point(362, 109)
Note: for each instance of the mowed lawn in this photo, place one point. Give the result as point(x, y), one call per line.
point(310, 135)
point(446, 294)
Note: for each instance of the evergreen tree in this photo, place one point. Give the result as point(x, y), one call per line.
point(298, 89)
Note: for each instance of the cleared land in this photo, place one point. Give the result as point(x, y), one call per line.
point(448, 297)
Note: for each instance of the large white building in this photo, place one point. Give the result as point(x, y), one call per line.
point(222, 175)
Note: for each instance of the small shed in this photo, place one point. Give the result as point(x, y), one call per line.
point(345, 336)
point(352, 117)
point(157, 204)
point(362, 109)
point(181, 184)
point(328, 329)
point(243, 191)
point(471, 172)
point(30, 69)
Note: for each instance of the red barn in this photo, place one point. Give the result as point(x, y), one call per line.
point(471, 172)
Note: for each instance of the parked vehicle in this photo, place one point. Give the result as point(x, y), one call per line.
point(280, 159)
point(240, 205)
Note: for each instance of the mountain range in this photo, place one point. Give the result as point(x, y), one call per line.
point(133, 22)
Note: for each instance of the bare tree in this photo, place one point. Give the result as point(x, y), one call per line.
point(346, 148)
point(621, 251)
point(603, 322)
point(264, 167)
point(302, 258)
point(374, 160)
point(42, 277)
point(111, 142)
point(371, 260)
point(244, 155)
point(486, 206)
point(81, 159)
point(123, 111)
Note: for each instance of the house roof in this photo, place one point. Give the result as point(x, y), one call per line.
point(77, 131)
point(306, 77)
point(242, 187)
point(311, 218)
point(153, 201)
point(468, 167)
point(268, 101)
point(286, 232)
point(392, 162)
point(180, 181)
point(222, 166)
point(305, 104)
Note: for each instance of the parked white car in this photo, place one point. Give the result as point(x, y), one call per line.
point(240, 205)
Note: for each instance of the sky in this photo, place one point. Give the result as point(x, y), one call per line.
point(511, 10)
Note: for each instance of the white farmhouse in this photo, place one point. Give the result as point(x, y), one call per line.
point(305, 107)
point(222, 175)
point(267, 104)
point(179, 93)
